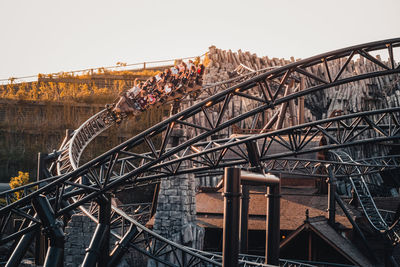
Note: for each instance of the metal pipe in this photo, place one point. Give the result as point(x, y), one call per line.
point(258, 178)
point(292, 108)
point(98, 250)
point(254, 154)
point(270, 123)
point(230, 246)
point(53, 227)
point(104, 219)
point(41, 163)
point(21, 248)
point(122, 246)
point(300, 113)
point(273, 225)
point(244, 219)
point(41, 245)
point(93, 252)
point(282, 111)
point(54, 257)
point(155, 199)
point(331, 196)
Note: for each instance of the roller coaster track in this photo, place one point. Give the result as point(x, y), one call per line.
point(266, 89)
point(367, 202)
point(313, 168)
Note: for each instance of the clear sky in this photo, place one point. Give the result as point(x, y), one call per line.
point(45, 36)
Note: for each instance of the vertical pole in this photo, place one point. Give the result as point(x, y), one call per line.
point(40, 165)
point(254, 159)
point(230, 246)
point(40, 239)
point(122, 246)
point(244, 219)
point(331, 196)
point(98, 250)
point(104, 218)
point(273, 224)
point(55, 253)
point(301, 114)
point(310, 246)
point(21, 248)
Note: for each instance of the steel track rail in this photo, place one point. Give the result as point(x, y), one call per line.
point(367, 202)
point(270, 86)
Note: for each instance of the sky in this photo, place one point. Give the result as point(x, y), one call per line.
point(48, 36)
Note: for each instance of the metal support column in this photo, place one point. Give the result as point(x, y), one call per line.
point(41, 244)
point(254, 159)
point(230, 246)
point(244, 219)
point(41, 164)
point(21, 248)
point(122, 246)
point(273, 224)
point(98, 250)
point(331, 197)
point(104, 219)
point(53, 229)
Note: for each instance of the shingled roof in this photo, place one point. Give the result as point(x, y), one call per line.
point(294, 203)
point(319, 226)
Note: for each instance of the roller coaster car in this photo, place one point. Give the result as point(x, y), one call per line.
point(113, 116)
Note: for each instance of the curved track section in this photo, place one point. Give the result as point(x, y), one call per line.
point(367, 202)
point(72, 150)
point(266, 90)
point(81, 137)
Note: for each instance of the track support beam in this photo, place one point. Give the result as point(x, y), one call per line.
point(21, 248)
point(273, 224)
point(244, 219)
point(53, 229)
point(331, 197)
point(230, 246)
point(98, 250)
point(122, 246)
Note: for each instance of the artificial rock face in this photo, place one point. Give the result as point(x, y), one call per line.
point(175, 218)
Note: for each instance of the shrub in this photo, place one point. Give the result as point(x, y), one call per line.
point(20, 180)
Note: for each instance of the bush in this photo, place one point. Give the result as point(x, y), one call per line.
point(17, 181)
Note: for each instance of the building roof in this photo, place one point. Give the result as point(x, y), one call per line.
point(320, 226)
point(294, 203)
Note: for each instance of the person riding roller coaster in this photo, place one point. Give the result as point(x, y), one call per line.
point(168, 85)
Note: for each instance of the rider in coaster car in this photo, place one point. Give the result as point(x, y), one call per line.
point(126, 103)
point(157, 89)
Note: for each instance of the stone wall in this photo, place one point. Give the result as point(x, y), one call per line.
point(29, 127)
point(78, 235)
point(175, 217)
